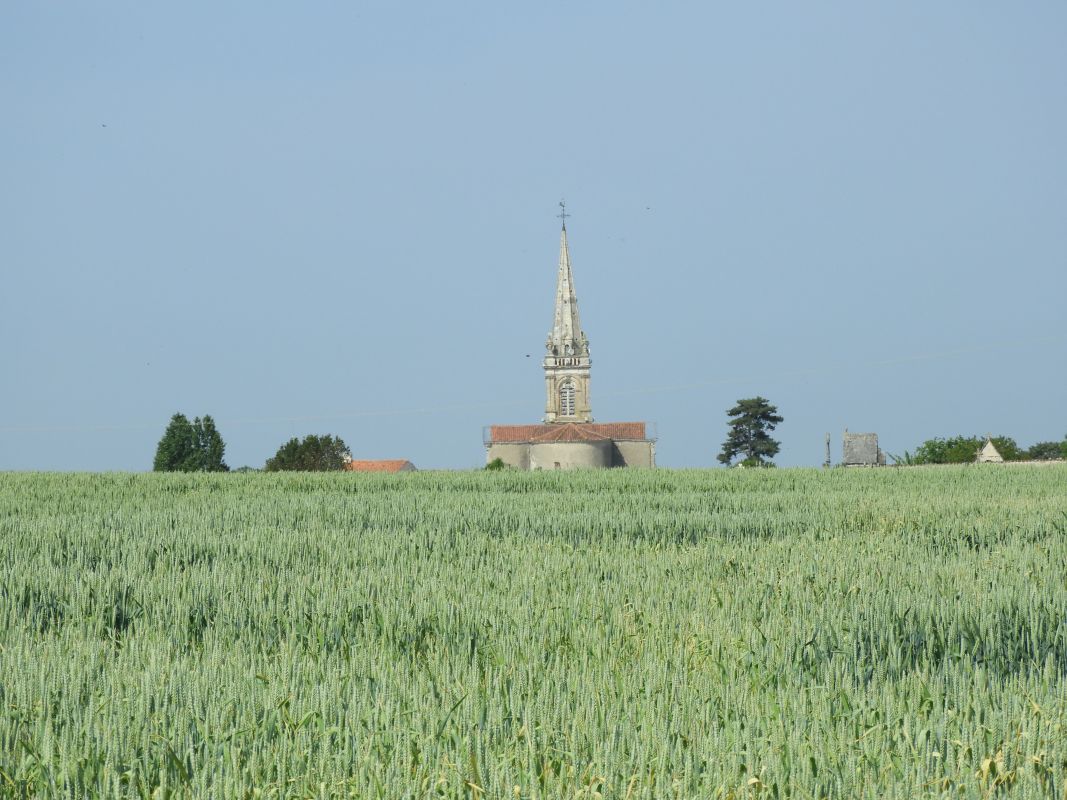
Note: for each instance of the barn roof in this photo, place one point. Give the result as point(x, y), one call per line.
point(388, 465)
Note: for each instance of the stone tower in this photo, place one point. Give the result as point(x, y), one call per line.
point(567, 358)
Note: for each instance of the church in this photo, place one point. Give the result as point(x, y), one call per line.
point(568, 438)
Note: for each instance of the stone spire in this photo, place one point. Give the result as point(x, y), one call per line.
point(567, 350)
point(566, 337)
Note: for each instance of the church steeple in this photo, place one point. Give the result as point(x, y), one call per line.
point(566, 337)
point(567, 359)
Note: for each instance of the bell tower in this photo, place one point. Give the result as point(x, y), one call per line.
point(567, 350)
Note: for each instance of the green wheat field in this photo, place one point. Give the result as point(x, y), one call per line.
point(881, 633)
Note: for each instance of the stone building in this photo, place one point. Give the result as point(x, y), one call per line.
point(568, 438)
point(861, 450)
point(989, 453)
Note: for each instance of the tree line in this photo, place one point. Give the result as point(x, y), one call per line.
point(964, 449)
point(197, 446)
point(752, 418)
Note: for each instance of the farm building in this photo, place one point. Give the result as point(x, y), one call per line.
point(568, 437)
point(989, 454)
point(861, 450)
point(389, 465)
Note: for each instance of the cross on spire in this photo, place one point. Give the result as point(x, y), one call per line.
point(563, 213)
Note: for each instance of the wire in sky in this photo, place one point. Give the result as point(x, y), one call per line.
point(827, 369)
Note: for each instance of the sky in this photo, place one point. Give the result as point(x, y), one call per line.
point(339, 218)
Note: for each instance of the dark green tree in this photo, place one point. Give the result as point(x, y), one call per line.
point(176, 451)
point(312, 454)
point(1045, 451)
point(190, 446)
point(209, 446)
point(750, 421)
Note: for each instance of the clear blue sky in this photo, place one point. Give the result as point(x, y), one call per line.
point(339, 218)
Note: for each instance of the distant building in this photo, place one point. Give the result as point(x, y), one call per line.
point(569, 438)
point(989, 454)
point(391, 465)
point(861, 450)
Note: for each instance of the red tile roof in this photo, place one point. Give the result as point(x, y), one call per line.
point(586, 431)
point(393, 465)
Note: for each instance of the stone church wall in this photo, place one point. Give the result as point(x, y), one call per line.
point(573, 455)
point(634, 454)
point(514, 454)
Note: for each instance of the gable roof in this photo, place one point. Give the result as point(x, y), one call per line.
point(586, 431)
point(989, 454)
point(388, 465)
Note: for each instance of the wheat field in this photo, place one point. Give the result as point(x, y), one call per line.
point(882, 633)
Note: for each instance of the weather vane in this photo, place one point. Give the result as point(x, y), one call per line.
point(563, 213)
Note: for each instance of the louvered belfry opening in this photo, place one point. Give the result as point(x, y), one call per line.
point(566, 400)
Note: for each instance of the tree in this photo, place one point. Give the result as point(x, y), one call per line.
point(176, 451)
point(312, 454)
point(751, 419)
point(964, 450)
point(1046, 451)
point(188, 446)
point(209, 445)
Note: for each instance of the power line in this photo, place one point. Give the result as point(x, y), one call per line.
point(835, 369)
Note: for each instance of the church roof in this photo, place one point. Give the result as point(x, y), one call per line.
point(388, 465)
point(570, 432)
point(566, 325)
point(582, 431)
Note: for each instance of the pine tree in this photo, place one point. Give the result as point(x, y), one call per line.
point(751, 419)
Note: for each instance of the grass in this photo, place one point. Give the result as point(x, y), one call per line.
point(622, 634)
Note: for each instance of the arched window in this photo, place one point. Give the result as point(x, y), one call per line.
point(566, 399)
